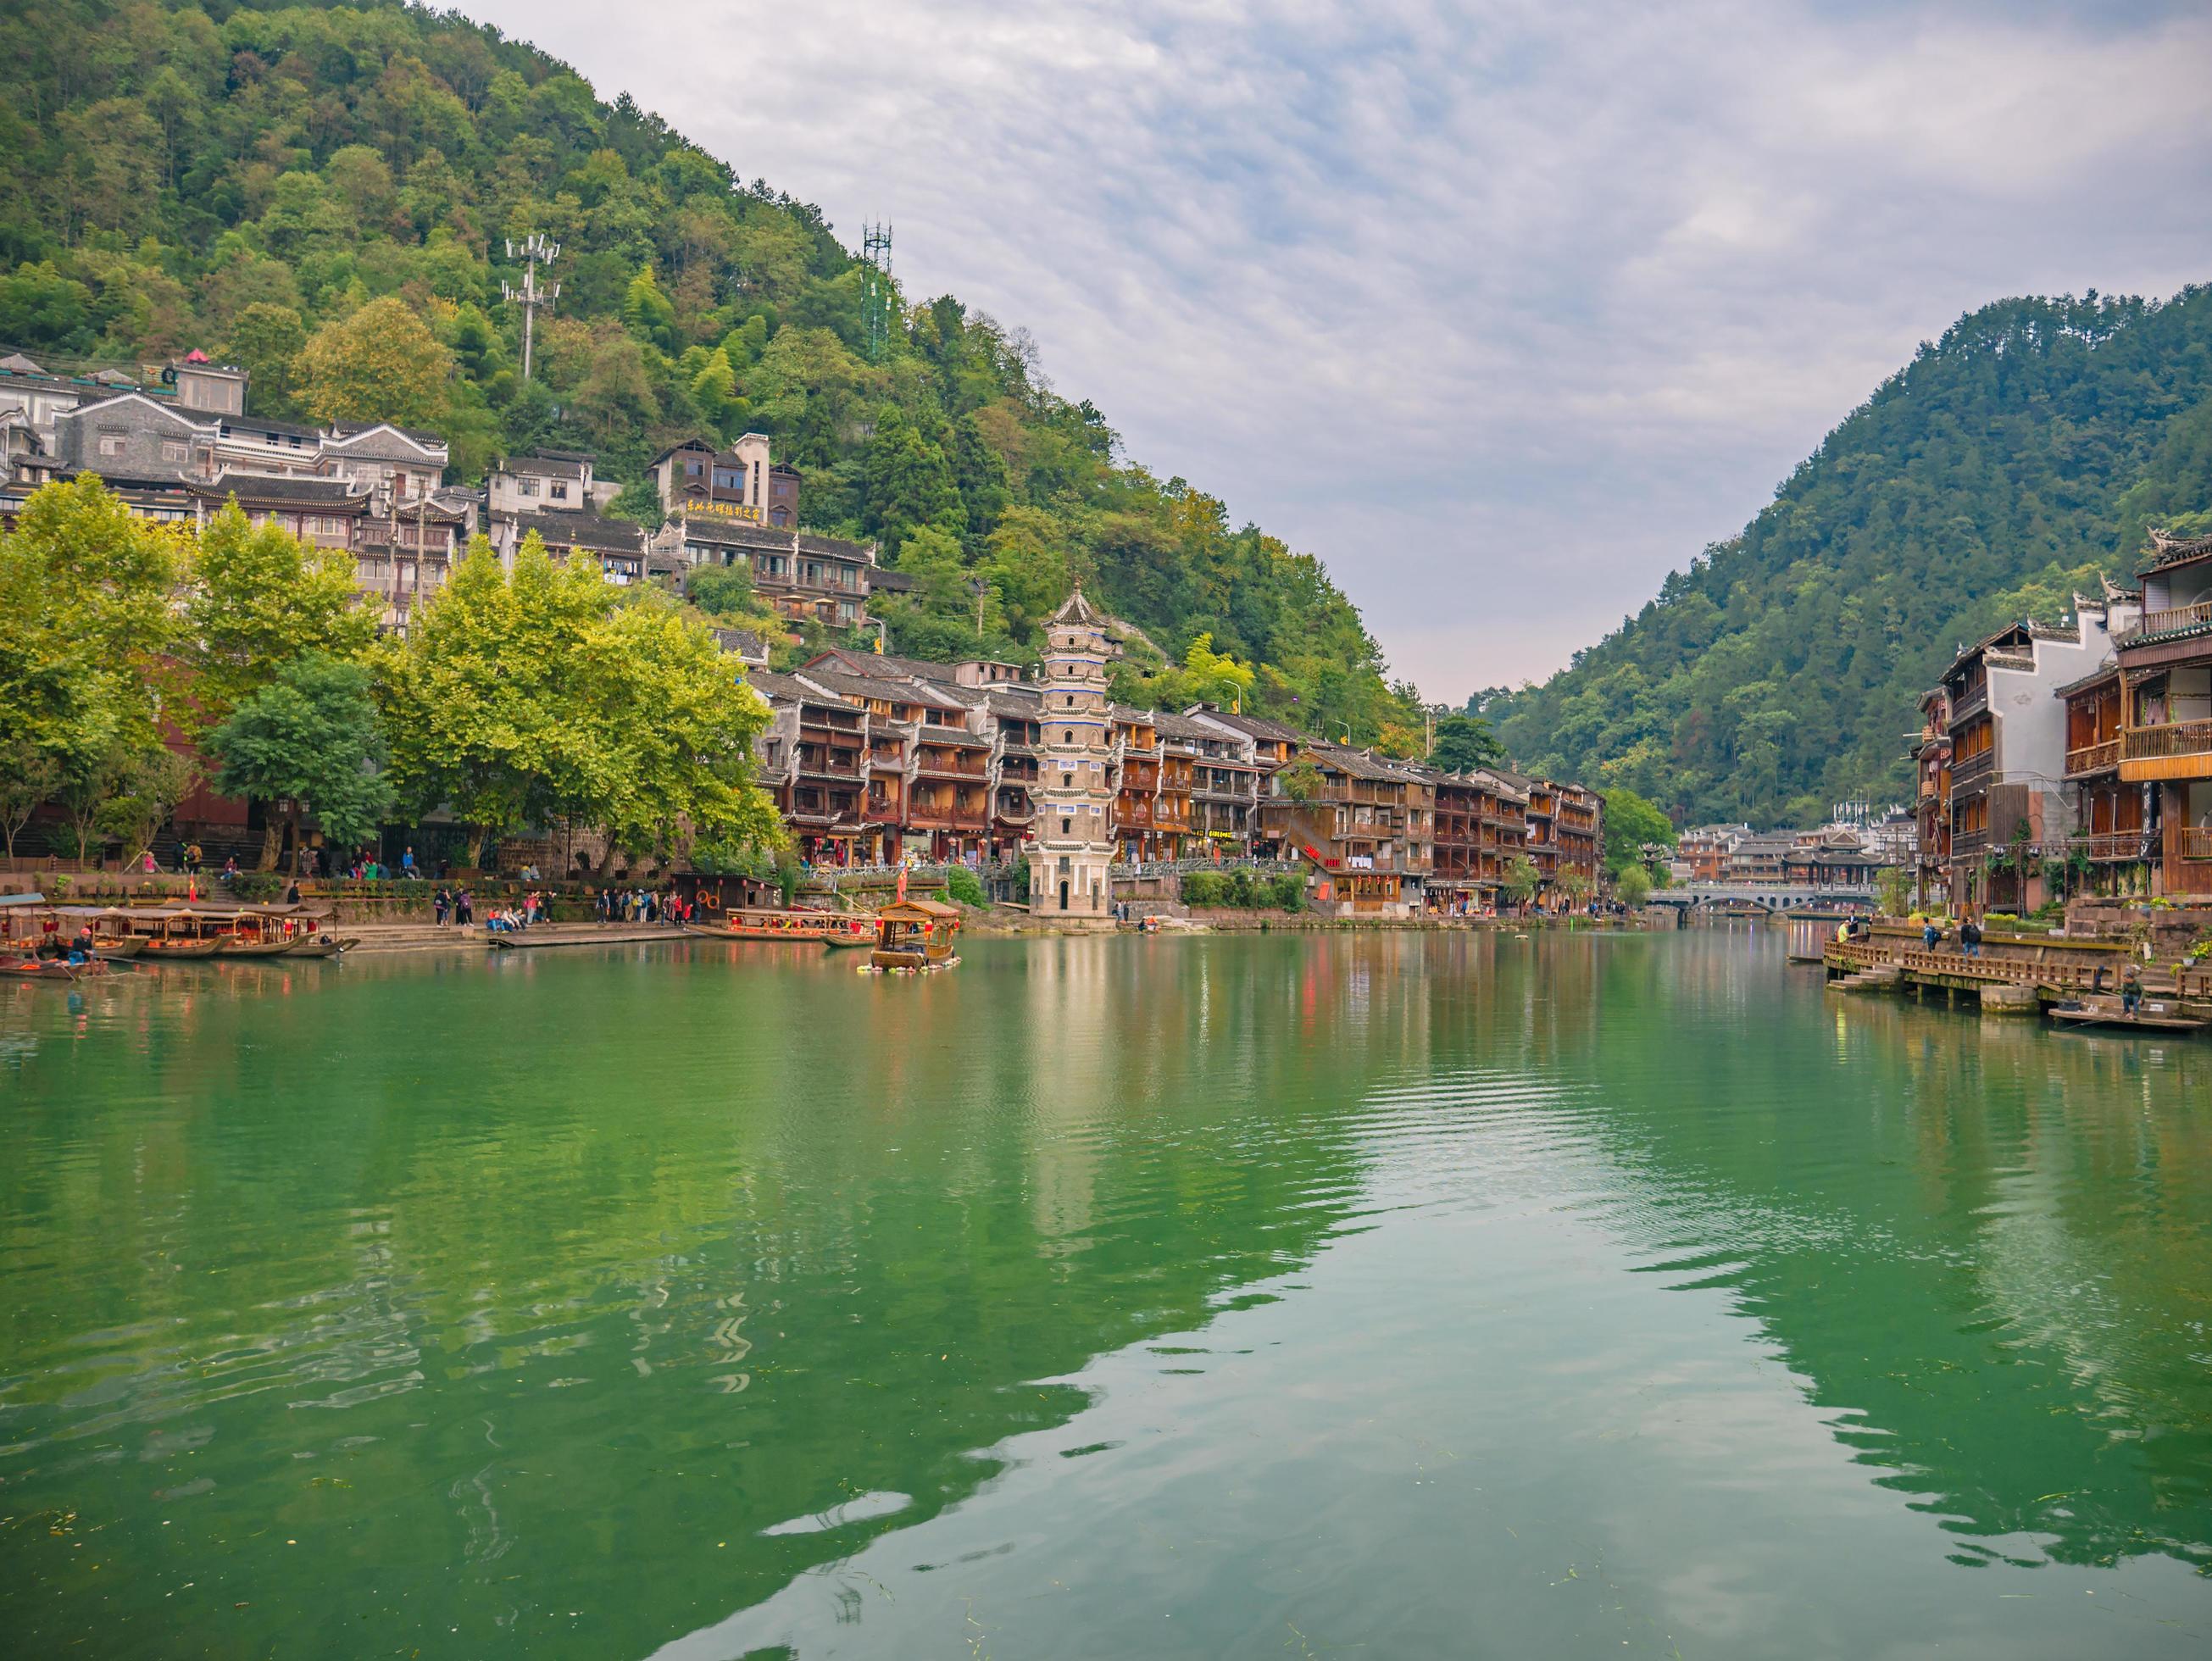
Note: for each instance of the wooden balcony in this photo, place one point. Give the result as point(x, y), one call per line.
point(2092, 758)
point(2107, 845)
point(2173, 620)
point(932, 816)
point(942, 766)
point(2193, 841)
point(1975, 770)
point(2176, 750)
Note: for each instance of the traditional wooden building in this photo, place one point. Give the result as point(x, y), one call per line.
point(1362, 824)
point(811, 762)
point(2166, 711)
point(2111, 834)
point(1580, 832)
point(2011, 808)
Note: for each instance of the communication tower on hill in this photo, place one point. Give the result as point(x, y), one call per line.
point(876, 297)
point(534, 250)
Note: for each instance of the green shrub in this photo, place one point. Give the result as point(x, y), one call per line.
point(1206, 888)
point(961, 885)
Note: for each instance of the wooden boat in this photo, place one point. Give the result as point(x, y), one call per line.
point(190, 934)
point(915, 935)
point(2109, 1016)
point(320, 944)
point(767, 924)
point(46, 969)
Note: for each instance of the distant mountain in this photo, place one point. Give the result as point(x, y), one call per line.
point(2009, 464)
point(250, 178)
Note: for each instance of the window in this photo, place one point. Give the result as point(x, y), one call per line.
point(112, 444)
point(175, 450)
point(1067, 737)
point(560, 490)
point(1066, 826)
point(525, 487)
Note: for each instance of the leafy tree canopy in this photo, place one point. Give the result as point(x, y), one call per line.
point(1464, 743)
point(312, 735)
point(1631, 821)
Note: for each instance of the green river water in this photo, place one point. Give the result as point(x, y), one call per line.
point(1389, 1295)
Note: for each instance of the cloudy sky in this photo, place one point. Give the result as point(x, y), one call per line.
point(1504, 309)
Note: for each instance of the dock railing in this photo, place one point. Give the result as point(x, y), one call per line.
point(2185, 982)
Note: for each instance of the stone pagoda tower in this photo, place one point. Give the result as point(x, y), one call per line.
point(1074, 835)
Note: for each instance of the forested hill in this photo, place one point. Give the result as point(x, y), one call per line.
point(323, 193)
point(2009, 462)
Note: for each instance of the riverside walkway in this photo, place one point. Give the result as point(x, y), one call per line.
point(2036, 975)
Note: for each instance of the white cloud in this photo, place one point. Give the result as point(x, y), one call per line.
point(1503, 309)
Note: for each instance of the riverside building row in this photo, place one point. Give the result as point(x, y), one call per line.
point(873, 759)
point(2078, 759)
point(175, 443)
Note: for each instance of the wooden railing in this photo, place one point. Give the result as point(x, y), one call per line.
point(2109, 844)
point(2175, 618)
point(1973, 769)
point(2093, 758)
point(2188, 982)
point(2175, 738)
point(2194, 842)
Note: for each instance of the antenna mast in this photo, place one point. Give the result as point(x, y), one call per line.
point(875, 298)
point(535, 250)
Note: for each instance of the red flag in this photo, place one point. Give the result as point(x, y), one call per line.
point(901, 885)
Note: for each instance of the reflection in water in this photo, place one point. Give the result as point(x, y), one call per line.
point(637, 1285)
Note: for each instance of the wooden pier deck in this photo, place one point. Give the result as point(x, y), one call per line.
point(2082, 992)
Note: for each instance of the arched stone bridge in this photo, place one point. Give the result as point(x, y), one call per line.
point(1767, 896)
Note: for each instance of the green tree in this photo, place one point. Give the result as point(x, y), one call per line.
point(668, 726)
point(1893, 888)
point(310, 736)
point(478, 700)
point(382, 363)
point(266, 339)
point(1217, 677)
point(86, 625)
point(145, 792)
point(1521, 879)
point(1301, 781)
point(1631, 823)
point(906, 485)
point(720, 591)
point(260, 597)
point(28, 777)
point(1464, 743)
point(1632, 885)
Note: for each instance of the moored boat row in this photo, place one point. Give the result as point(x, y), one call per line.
point(37, 935)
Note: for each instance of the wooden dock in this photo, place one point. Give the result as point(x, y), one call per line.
point(2073, 992)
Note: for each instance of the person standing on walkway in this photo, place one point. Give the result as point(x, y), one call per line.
point(443, 904)
point(1970, 938)
point(1929, 935)
point(2131, 991)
